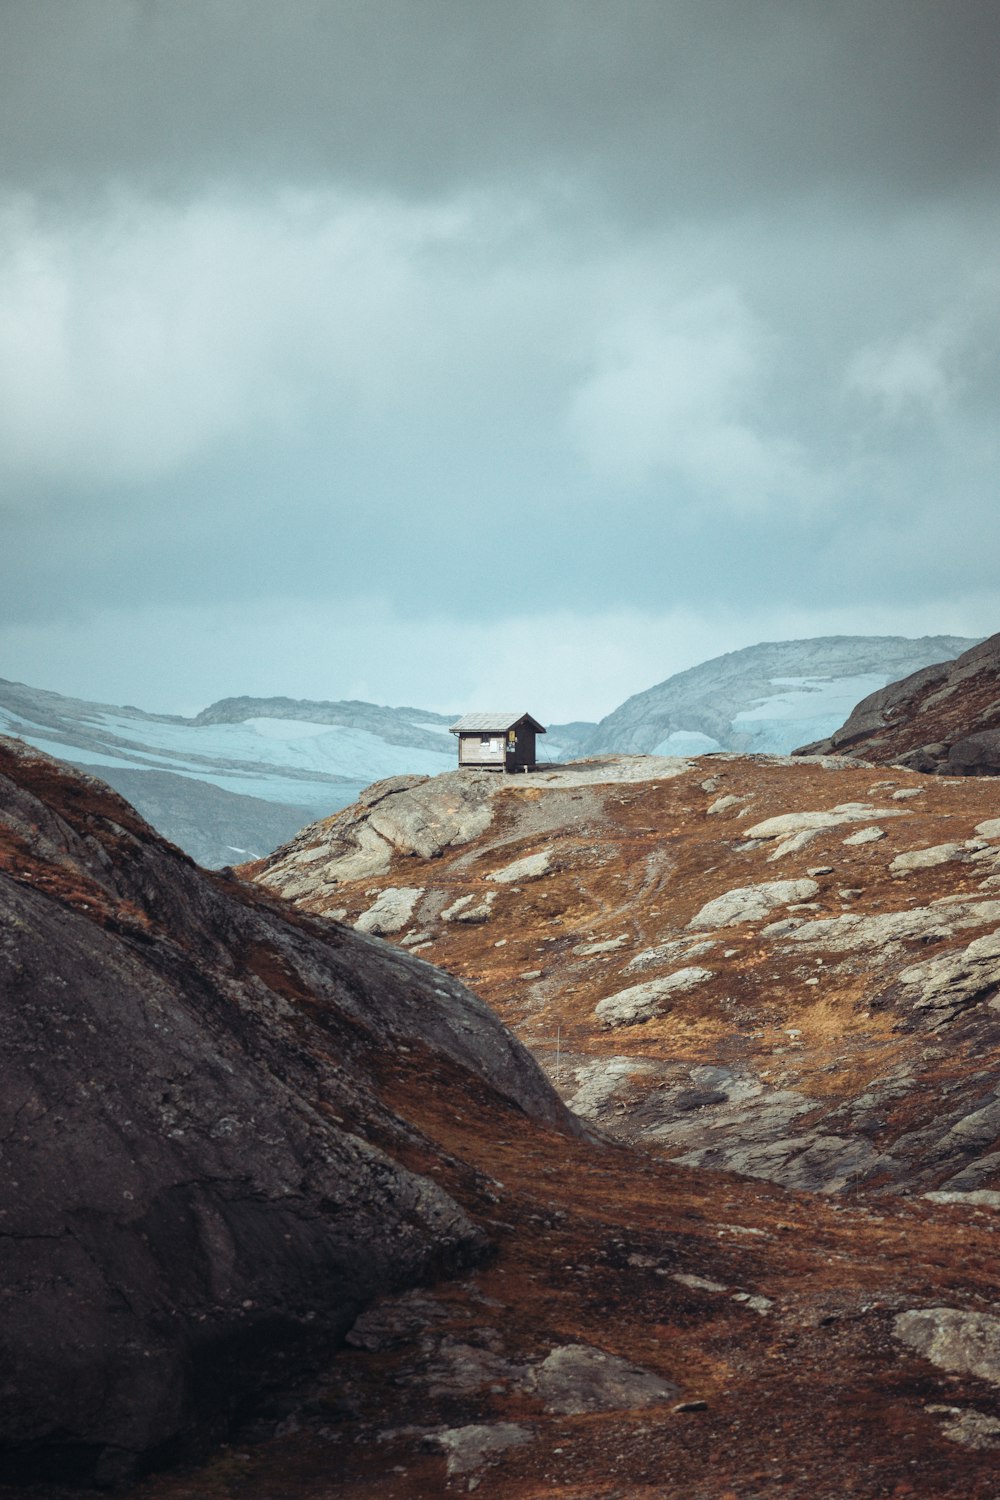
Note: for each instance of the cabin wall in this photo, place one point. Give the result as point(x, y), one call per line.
point(522, 753)
point(472, 752)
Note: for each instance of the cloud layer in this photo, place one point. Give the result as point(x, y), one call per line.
point(541, 312)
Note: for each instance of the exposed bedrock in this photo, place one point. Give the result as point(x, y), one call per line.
point(202, 1185)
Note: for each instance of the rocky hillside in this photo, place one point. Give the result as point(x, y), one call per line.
point(786, 968)
point(766, 698)
point(226, 1123)
point(206, 1178)
point(944, 719)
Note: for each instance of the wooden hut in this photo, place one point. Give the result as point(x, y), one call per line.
point(497, 741)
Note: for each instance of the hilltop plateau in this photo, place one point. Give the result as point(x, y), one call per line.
point(787, 968)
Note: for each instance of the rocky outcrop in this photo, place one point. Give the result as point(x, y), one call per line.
point(816, 1030)
point(204, 1185)
point(943, 719)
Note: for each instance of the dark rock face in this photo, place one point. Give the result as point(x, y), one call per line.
point(203, 819)
point(202, 1185)
point(944, 719)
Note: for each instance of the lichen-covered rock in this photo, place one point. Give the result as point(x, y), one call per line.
point(926, 859)
point(576, 1378)
point(966, 1343)
point(749, 903)
point(531, 867)
point(390, 912)
point(640, 1002)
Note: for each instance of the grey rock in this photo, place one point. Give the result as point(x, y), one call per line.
point(749, 903)
point(973, 1429)
point(640, 1002)
point(975, 1198)
point(813, 1162)
point(390, 912)
point(400, 815)
point(781, 928)
point(786, 824)
point(926, 859)
point(953, 981)
point(667, 953)
point(396, 1322)
point(966, 1343)
point(471, 1447)
point(990, 829)
point(470, 910)
point(725, 804)
point(531, 867)
point(587, 950)
point(699, 1283)
point(793, 843)
point(576, 1378)
point(864, 836)
point(850, 932)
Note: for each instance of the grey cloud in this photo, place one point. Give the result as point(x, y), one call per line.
point(637, 304)
point(662, 105)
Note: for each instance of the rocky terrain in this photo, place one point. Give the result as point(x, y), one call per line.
point(229, 1122)
point(786, 968)
point(205, 1178)
point(944, 719)
point(766, 698)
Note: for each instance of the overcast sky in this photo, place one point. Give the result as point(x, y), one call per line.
point(470, 354)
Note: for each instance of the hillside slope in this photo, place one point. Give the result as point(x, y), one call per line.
point(203, 1182)
point(766, 698)
point(944, 719)
point(227, 1123)
point(788, 968)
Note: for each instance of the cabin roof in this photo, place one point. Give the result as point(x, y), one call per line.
point(494, 722)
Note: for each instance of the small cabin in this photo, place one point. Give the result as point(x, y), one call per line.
point(497, 741)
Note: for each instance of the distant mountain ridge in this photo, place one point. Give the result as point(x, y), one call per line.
point(943, 719)
point(766, 698)
point(396, 726)
point(242, 776)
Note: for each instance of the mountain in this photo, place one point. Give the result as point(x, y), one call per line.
point(241, 776)
point(763, 699)
point(787, 968)
point(227, 1123)
point(943, 719)
point(205, 1180)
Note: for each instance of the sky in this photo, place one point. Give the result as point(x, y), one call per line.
point(465, 355)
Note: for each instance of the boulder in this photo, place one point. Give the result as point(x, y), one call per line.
point(749, 903)
point(577, 1378)
point(531, 867)
point(391, 911)
point(965, 1343)
point(926, 859)
point(640, 1002)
